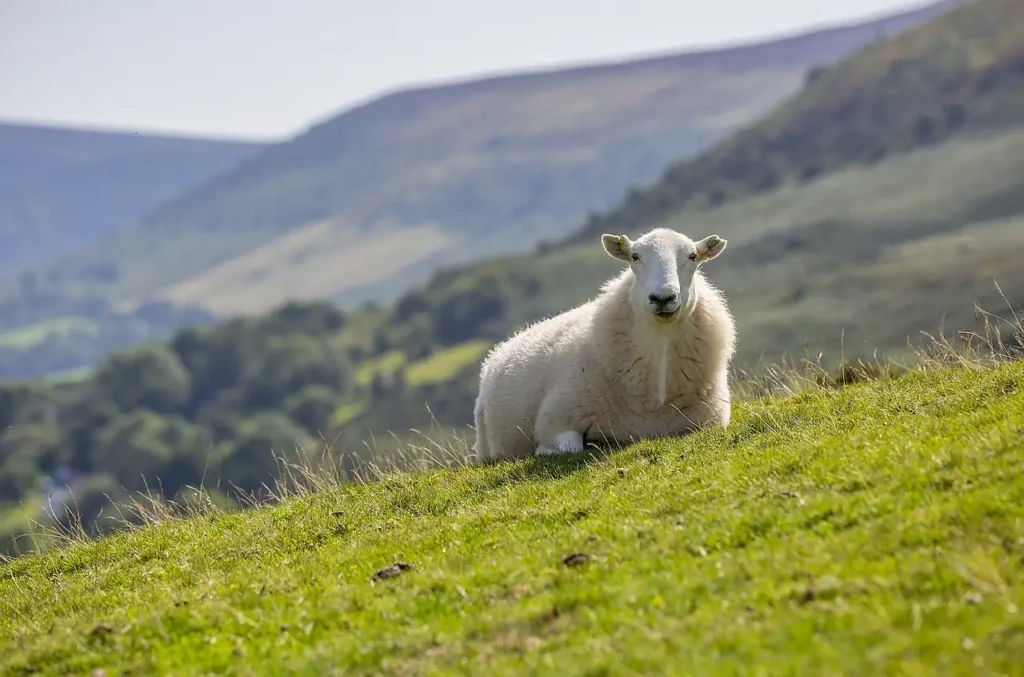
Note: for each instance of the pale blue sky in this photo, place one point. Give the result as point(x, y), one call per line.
point(268, 68)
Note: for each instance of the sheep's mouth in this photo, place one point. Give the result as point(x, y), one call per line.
point(666, 315)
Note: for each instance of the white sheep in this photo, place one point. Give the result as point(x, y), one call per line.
point(647, 357)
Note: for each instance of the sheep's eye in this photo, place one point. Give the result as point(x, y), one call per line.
point(693, 256)
point(635, 257)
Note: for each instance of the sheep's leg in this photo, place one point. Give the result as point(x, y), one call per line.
point(480, 449)
point(567, 442)
point(555, 431)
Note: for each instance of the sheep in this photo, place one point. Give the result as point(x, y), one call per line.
point(647, 357)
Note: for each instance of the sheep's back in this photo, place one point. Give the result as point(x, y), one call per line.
point(528, 362)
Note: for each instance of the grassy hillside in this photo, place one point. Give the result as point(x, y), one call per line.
point(871, 529)
point(860, 257)
point(368, 203)
point(62, 188)
point(962, 71)
point(857, 261)
point(878, 253)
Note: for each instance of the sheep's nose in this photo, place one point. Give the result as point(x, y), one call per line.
point(662, 299)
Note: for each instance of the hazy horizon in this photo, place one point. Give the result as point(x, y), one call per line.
point(124, 66)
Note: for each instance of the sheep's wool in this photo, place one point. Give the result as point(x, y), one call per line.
point(647, 357)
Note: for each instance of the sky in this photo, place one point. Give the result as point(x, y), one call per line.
point(269, 68)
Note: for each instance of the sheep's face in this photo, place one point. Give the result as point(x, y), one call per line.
point(663, 264)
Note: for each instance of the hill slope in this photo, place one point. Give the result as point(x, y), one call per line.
point(858, 258)
point(63, 188)
point(962, 71)
point(873, 529)
point(368, 203)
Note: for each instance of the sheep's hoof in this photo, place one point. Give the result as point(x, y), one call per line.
point(568, 442)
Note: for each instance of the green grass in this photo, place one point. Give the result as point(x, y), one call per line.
point(437, 368)
point(445, 364)
point(877, 528)
point(71, 375)
point(25, 337)
point(347, 411)
point(385, 364)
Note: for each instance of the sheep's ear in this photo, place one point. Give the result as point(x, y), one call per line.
point(710, 247)
point(617, 246)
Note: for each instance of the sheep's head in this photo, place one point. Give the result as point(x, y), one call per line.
point(663, 264)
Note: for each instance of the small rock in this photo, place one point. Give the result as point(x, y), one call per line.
point(972, 597)
point(576, 559)
point(396, 569)
point(98, 672)
point(101, 630)
point(621, 471)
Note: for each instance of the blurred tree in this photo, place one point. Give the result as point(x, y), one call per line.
point(41, 443)
point(81, 420)
point(18, 477)
point(143, 449)
point(462, 315)
point(312, 408)
point(318, 317)
point(150, 377)
point(289, 364)
point(214, 358)
point(411, 304)
point(251, 461)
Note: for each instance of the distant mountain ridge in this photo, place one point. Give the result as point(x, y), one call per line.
point(64, 187)
point(366, 204)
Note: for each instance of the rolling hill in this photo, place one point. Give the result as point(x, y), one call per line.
point(368, 203)
point(63, 188)
point(860, 257)
point(962, 72)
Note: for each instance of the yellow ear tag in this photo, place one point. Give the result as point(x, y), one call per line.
point(622, 241)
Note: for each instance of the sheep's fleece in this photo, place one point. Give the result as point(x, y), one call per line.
point(647, 357)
